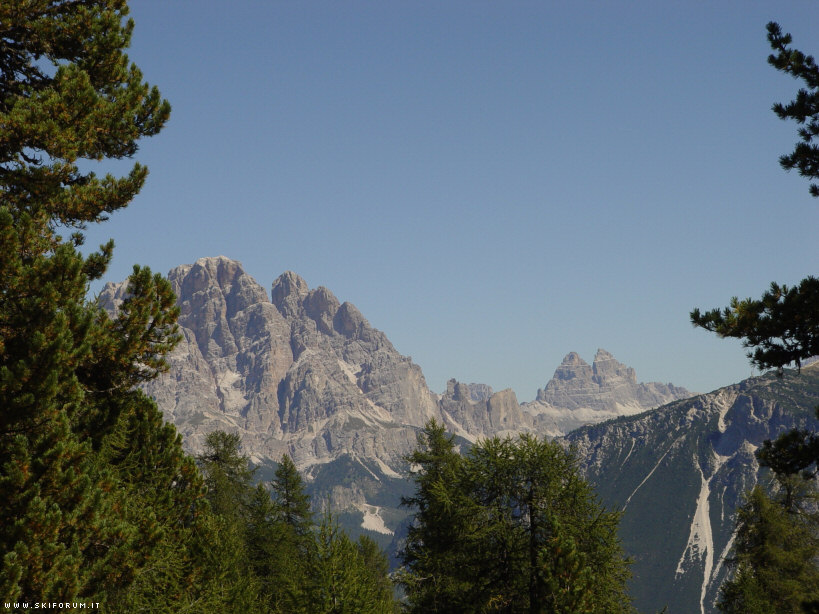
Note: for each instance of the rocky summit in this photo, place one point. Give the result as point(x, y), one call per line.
point(580, 394)
point(297, 371)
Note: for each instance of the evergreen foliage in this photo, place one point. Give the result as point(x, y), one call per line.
point(804, 109)
point(269, 549)
point(68, 93)
point(508, 527)
point(776, 559)
point(783, 326)
point(347, 578)
point(775, 554)
point(292, 505)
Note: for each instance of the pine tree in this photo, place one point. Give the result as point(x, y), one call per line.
point(160, 493)
point(67, 93)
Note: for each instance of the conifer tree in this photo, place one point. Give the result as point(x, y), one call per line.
point(509, 527)
point(292, 504)
point(782, 328)
point(342, 580)
point(68, 93)
point(227, 474)
point(435, 577)
point(295, 548)
point(775, 553)
point(221, 547)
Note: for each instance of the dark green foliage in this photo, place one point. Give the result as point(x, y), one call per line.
point(227, 474)
point(97, 499)
point(782, 327)
point(345, 577)
point(434, 578)
point(776, 548)
point(804, 109)
point(792, 453)
point(510, 527)
point(67, 92)
point(292, 505)
point(276, 556)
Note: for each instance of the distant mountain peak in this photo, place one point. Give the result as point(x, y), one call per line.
point(579, 393)
point(288, 285)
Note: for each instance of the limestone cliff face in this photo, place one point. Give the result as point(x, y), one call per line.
point(580, 394)
point(302, 374)
point(473, 411)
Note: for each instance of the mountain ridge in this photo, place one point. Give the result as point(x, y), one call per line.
point(680, 471)
point(294, 370)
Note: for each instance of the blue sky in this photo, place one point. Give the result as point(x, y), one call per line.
point(493, 184)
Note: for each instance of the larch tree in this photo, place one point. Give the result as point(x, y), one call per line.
point(510, 526)
point(434, 575)
point(291, 502)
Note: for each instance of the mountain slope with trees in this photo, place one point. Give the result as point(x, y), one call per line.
point(679, 473)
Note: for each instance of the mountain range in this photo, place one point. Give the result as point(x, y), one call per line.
point(297, 371)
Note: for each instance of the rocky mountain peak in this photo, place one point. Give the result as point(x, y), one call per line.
point(288, 291)
point(219, 272)
point(572, 368)
point(301, 373)
point(473, 411)
point(592, 393)
point(457, 391)
point(606, 367)
point(321, 306)
point(349, 322)
point(480, 392)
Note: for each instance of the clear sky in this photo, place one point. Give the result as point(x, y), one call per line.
point(493, 184)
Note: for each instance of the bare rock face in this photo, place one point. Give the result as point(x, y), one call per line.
point(497, 413)
point(580, 394)
point(301, 374)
